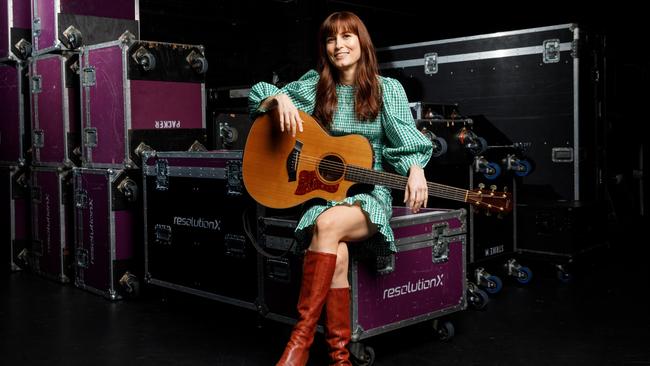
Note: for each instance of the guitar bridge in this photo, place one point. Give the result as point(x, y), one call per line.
point(292, 161)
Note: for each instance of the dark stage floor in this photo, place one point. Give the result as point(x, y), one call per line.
point(602, 317)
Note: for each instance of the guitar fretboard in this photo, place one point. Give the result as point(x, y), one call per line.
point(396, 181)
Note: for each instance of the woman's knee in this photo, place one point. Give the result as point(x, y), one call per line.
point(325, 224)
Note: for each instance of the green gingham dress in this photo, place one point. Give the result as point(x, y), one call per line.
point(394, 138)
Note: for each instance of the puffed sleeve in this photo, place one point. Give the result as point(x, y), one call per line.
point(406, 146)
point(302, 93)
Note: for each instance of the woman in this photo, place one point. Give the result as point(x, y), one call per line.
point(347, 95)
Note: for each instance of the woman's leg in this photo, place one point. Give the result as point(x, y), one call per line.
point(345, 223)
point(340, 224)
point(340, 278)
point(337, 311)
point(337, 224)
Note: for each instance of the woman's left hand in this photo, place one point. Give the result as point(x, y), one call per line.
point(416, 193)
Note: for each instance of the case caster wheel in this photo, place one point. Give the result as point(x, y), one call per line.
point(491, 283)
point(361, 355)
point(444, 330)
point(494, 284)
point(439, 147)
point(523, 169)
point(477, 298)
point(130, 284)
point(522, 274)
point(525, 275)
point(492, 171)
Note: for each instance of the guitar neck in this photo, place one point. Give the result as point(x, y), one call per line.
point(396, 181)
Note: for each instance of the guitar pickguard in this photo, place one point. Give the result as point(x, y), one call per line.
point(308, 182)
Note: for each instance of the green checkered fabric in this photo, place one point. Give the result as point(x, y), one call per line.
point(394, 138)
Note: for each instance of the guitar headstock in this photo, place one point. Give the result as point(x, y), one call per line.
point(491, 199)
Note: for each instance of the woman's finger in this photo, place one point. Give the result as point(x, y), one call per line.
point(426, 198)
point(299, 123)
point(281, 122)
point(294, 123)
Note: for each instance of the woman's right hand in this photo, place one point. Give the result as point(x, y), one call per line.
point(289, 117)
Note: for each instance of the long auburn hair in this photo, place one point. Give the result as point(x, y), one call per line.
point(367, 99)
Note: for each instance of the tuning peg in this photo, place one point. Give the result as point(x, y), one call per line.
point(488, 213)
point(481, 186)
point(500, 216)
point(493, 188)
point(505, 189)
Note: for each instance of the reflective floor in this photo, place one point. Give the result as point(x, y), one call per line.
point(601, 317)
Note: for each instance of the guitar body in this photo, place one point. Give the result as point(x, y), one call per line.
point(281, 171)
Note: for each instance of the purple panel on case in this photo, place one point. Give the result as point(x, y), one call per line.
point(4, 29)
point(107, 105)
point(22, 14)
point(122, 9)
point(416, 288)
point(421, 228)
point(154, 103)
point(49, 107)
point(124, 229)
point(48, 216)
point(9, 114)
point(96, 231)
point(424, 228)
point(45, 11)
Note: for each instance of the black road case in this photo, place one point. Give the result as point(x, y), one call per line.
point(540, 86)
point(195, 237)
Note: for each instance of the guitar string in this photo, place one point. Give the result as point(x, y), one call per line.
point(374, 175)
point(393, 180)
point(363, 173)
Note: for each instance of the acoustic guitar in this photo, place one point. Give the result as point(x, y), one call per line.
point(281, 171)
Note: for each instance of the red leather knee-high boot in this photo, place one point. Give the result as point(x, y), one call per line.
point(318, 269)
point(337, 325)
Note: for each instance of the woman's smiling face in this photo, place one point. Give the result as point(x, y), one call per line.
point(343, 50)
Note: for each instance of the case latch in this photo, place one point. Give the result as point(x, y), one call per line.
point(278, 270)
point(36, 26)
point(235, 245)
point(36, 84)
point(551, 51)
point(38, 139)
point(88, 77)
point(234, 184)
point(385, 264)
point(162, 175)
point(562, 154)
point(81, 258)
point(440, 246)
point(162, 234)
point(431, 63)
point(81, 199)
point(90, 137)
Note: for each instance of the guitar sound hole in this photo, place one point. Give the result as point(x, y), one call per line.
point(331, 168)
